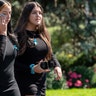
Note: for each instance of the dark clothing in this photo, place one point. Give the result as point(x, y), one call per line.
point(8, 84)
point(32, 83)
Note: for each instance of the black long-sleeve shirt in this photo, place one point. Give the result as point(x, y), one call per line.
point(8, 85)
point(33, 55)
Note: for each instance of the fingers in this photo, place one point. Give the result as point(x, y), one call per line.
point(58, 72)
point(59, 76)
point(2, 19)
point(38, 69)
point(3, 25)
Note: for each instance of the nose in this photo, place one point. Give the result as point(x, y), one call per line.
point(37, 14)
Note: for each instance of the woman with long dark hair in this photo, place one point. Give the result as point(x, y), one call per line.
point(8, 84)
point(35, 55)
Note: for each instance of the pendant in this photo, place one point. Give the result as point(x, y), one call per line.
point(35, 41)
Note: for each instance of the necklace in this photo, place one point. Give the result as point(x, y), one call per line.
point(32, 42)
point(32, 38)
point(35, 41)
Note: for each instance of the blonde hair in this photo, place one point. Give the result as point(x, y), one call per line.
point(4, 4)
point(11, 34)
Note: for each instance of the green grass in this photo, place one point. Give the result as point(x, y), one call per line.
point(71, 92)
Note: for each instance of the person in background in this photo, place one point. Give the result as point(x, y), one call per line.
point(35, 56)
point(8, 84)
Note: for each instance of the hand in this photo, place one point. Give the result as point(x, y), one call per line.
point(3, 25)
point(38, 69)
point(58, 72)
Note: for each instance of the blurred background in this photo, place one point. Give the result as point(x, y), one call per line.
point(72, 25)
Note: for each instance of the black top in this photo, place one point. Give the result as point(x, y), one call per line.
point(8, 85)
point(34, 54)
point(29, 83)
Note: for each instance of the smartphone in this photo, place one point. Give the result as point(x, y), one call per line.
point(44, 65)
point(47, 65)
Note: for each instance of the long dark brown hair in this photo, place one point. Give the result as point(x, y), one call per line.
point(21, 27)
point(10, 33)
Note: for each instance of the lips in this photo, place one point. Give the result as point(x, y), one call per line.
point(38, 19)
point(7, 20)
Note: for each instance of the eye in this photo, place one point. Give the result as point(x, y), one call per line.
point(4, 14)
point(37, 12)
point(41, 13)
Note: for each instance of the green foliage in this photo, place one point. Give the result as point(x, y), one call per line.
point(72, 24)
point(68, 59)
point(93, 79)
point(54, 84)
point(76, 34)
point(16, 7)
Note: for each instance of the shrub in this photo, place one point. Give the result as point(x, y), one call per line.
point(79, 77)
point(55, 84)
point(93, 80)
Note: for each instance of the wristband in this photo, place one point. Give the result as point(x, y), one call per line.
point(32, 68)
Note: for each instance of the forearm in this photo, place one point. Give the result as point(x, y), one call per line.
point(55, 61)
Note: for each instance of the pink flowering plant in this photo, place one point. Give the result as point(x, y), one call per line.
point(79, 77)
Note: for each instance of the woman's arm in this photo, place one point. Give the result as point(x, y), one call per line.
point(54, 61)
point(57, 67)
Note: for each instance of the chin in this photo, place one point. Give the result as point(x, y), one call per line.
point(37, 24)
point(7, 21)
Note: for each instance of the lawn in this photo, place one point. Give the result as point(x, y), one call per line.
point(72, 92)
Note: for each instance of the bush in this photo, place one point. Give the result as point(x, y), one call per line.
point(79, 77)
point(55, 84)
point(93, 79)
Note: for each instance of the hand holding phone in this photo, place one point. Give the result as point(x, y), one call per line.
point(46, 65)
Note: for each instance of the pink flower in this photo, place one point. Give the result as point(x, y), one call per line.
point(79, 75)
point(87, 81)
point(69, 73)
point(78, 83)
point(70, 80)
point(74, 75)
point(69, 83)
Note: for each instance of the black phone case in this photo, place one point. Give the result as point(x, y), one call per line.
point(44, 65)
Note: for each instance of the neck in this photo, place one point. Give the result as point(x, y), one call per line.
point(30, 27)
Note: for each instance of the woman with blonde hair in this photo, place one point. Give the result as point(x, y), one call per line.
point(8, 84)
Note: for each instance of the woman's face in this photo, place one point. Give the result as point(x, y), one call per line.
point(5, 13)
point(35, 17)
